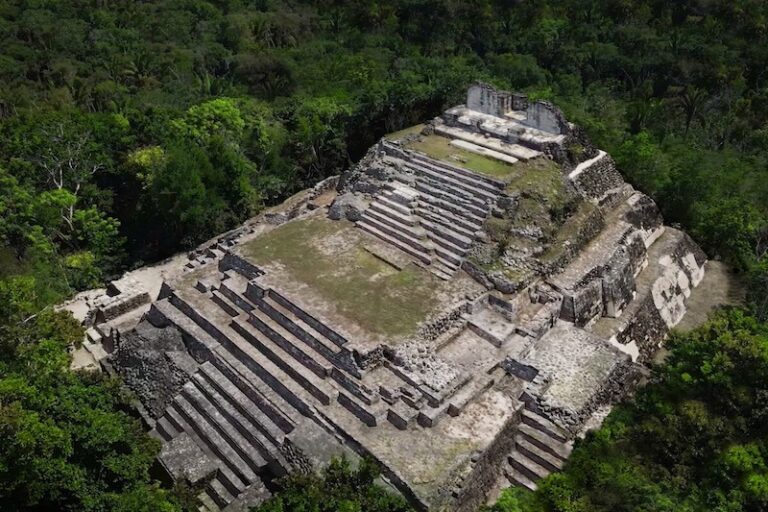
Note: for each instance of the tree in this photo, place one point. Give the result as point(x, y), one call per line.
point(338, 489)
point(67, 444)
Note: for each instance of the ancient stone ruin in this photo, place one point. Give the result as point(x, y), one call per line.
point(459, 306)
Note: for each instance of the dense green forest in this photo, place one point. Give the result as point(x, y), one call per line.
point(132, 130)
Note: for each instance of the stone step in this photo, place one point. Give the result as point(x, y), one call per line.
point(527, 467)
point(225, 304)
point(281, 363)
point(213, 438)
point(308, 319)
point(231, 481)
point(407, 248)
point(249, 429)
point(458, 196)
point(476, 207)
point(234, 355)
point(483, 151)
point(461, 194)
point(271, 422)
point(207, 502)
point(203, 342)
point(438, 269)
point(222, 417)
point(459, 173)
point(219, 492)
point(469, 215)
point(291, 382)
point(401, 415)
point(473, 189)
point(166, 430)
point(234, 293)
point(300, 351)
point(428, 417)
point(291, 322)
point(438, 232)
point(418, 241)
point(537, 455)
point(517, 478)
point(368, 414)
point(448, 250)
point(450, 265)
point(544, 442)
point(401, 193)
point(468, 393)
point(385, 199)
point(542, 424)
point(255, 380)
point(382, 208)
point(290, 325)
point(514, 150)
point(412, 231)
point(450, 221)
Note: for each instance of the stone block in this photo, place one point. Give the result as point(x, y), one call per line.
point(184, 460)
point(618, 284)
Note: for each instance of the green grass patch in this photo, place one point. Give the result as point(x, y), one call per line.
point(540, 179)
point(328, 256)
point(401, 134)
point(569, 231)
point(437, 147)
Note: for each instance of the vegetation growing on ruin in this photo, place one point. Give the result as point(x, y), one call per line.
point(181, 118)
point(695, 438)
point(543, 204)
point(67, 442)
point(439, 148)
point(131, 130)
point(329, 257)
point(339, 488)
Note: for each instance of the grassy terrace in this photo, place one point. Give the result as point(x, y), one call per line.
point(437, 147)
point(329, 257)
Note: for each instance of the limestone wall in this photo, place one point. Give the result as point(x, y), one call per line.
point(487, 468)
point(544, 116)
point(486, 99)
point(595, 177)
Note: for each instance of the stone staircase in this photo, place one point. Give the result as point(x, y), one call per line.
point(435, 216)
point(268, 366)
point(541, 448)
point(241, 435)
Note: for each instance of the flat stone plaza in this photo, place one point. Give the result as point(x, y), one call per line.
point(458, 306)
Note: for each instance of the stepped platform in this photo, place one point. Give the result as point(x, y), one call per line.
point(394, 313)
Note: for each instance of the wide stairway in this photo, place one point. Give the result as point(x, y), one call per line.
point(541, 448)
point(436, 216)
point(269, 367)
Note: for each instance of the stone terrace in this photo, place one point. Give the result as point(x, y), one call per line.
point(352, 320)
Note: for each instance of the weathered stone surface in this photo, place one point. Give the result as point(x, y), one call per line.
point(184, 459)
point(529, 299)
point(347, 206)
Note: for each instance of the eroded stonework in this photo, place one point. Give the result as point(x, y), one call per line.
point(457, 306)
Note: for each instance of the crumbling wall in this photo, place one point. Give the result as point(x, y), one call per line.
point(486, 99)
point(153, 362)
point(594, 178)
point(546, 117)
